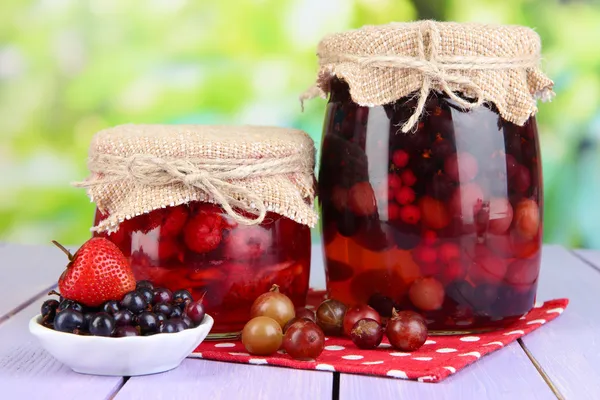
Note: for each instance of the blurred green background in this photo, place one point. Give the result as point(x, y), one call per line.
point(69, 68)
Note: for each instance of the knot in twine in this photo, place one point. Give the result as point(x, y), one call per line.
point(436, 70)
point(211, 176)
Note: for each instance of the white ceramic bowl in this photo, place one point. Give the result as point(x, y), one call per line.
point(125, 356)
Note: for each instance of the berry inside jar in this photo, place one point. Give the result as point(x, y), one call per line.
point(445, 220)
point(198, 247)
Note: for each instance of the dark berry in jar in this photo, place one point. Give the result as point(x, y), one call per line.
point(527, 218)
point(144, 284)
point(410, 214)
point(48, 310)
point(441, 186)
point(181, 297)
point(302, 312)
point(275, 305)
point(361, 199)
point(383, 305)
point(408, 177)
point(434, 213)
point(168, 327)
point(330, 317)
point(511, 165)
point(134, 302)
point(147, 322)
point(68, 320)
point(163, 308)
point(442, 149)
point(400, 158)
point(521, 180)
point(147, 293)
point(195, 311)
point(162, 295)
point(500, 215)
point(110, 307)
point(356, 313)
point(102, 324)
point(125, 331)
point(462, 167)
point(405, 195)
point(262, 336)
point(366, 333)
point(347, 224)
point(407, 331)
point(304, 341)
point(426, 294)
point(123, 318)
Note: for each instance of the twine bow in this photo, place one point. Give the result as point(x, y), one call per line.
point(211, 176)
point(438, 71)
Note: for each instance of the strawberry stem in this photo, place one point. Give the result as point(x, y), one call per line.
point(64, 249)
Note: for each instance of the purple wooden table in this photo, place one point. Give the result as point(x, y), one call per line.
point(561, 360)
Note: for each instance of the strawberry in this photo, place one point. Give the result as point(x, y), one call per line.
point(96, 273)
point(247, 243)
point(203, 232)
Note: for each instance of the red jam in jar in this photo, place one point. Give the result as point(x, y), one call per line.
point(198, 247)
point(445, 220)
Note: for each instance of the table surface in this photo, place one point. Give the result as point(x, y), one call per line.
point(561, 360)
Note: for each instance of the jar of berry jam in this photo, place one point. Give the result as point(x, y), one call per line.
point(224, 212)
point(430, 181)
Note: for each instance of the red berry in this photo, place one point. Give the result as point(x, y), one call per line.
point(174, 220)
point(202, 233)
point(394, 211)
point(361, 199)
point(511, 165)
point(527, 218)
point(523, 273)
point(339, 197)
point(434, 212)
point(453, 271)
point(500, 215)
point(426, 294)
point(394, 182)
point(247, 242)
point(408, 177)
point(407, 331)
point(522, 179)
point(96, 273)
point(366, 333)
point(429, 238)
point(304, 340)
point(410, 214)
point(424, 255)
point(485, 266)
point(405, 195)
point(400, 158)
point(356, 313)
point(448, 252)
point(170, 248)
point(462, 167)
point(148, 222)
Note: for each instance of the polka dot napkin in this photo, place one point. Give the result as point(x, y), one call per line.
point(439, 357)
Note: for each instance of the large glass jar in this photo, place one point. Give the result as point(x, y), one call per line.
point(445, 220)
point(198, 247)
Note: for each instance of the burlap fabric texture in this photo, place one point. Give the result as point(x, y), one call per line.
point(247, 170)
point(471, 63)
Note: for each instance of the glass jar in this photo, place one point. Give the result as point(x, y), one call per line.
point(198, 247)
point(445, 220)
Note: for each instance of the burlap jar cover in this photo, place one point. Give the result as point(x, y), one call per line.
point(247, 170)
point(471, 63)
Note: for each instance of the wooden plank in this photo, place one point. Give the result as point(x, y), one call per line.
point(505, 374)
point(27, 271)
point(568, 350)
point(29, 372)
point(195, 379)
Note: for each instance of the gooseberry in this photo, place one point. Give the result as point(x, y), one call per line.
point(275, 305)
point(366, 333)
point(304, 340)
point(330, 317)
point(262, 336)
point(406, 330)
point(426, 294)
point(356, 313)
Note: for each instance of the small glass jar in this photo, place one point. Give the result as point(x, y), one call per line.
point(198, 247)
point(445, 220)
